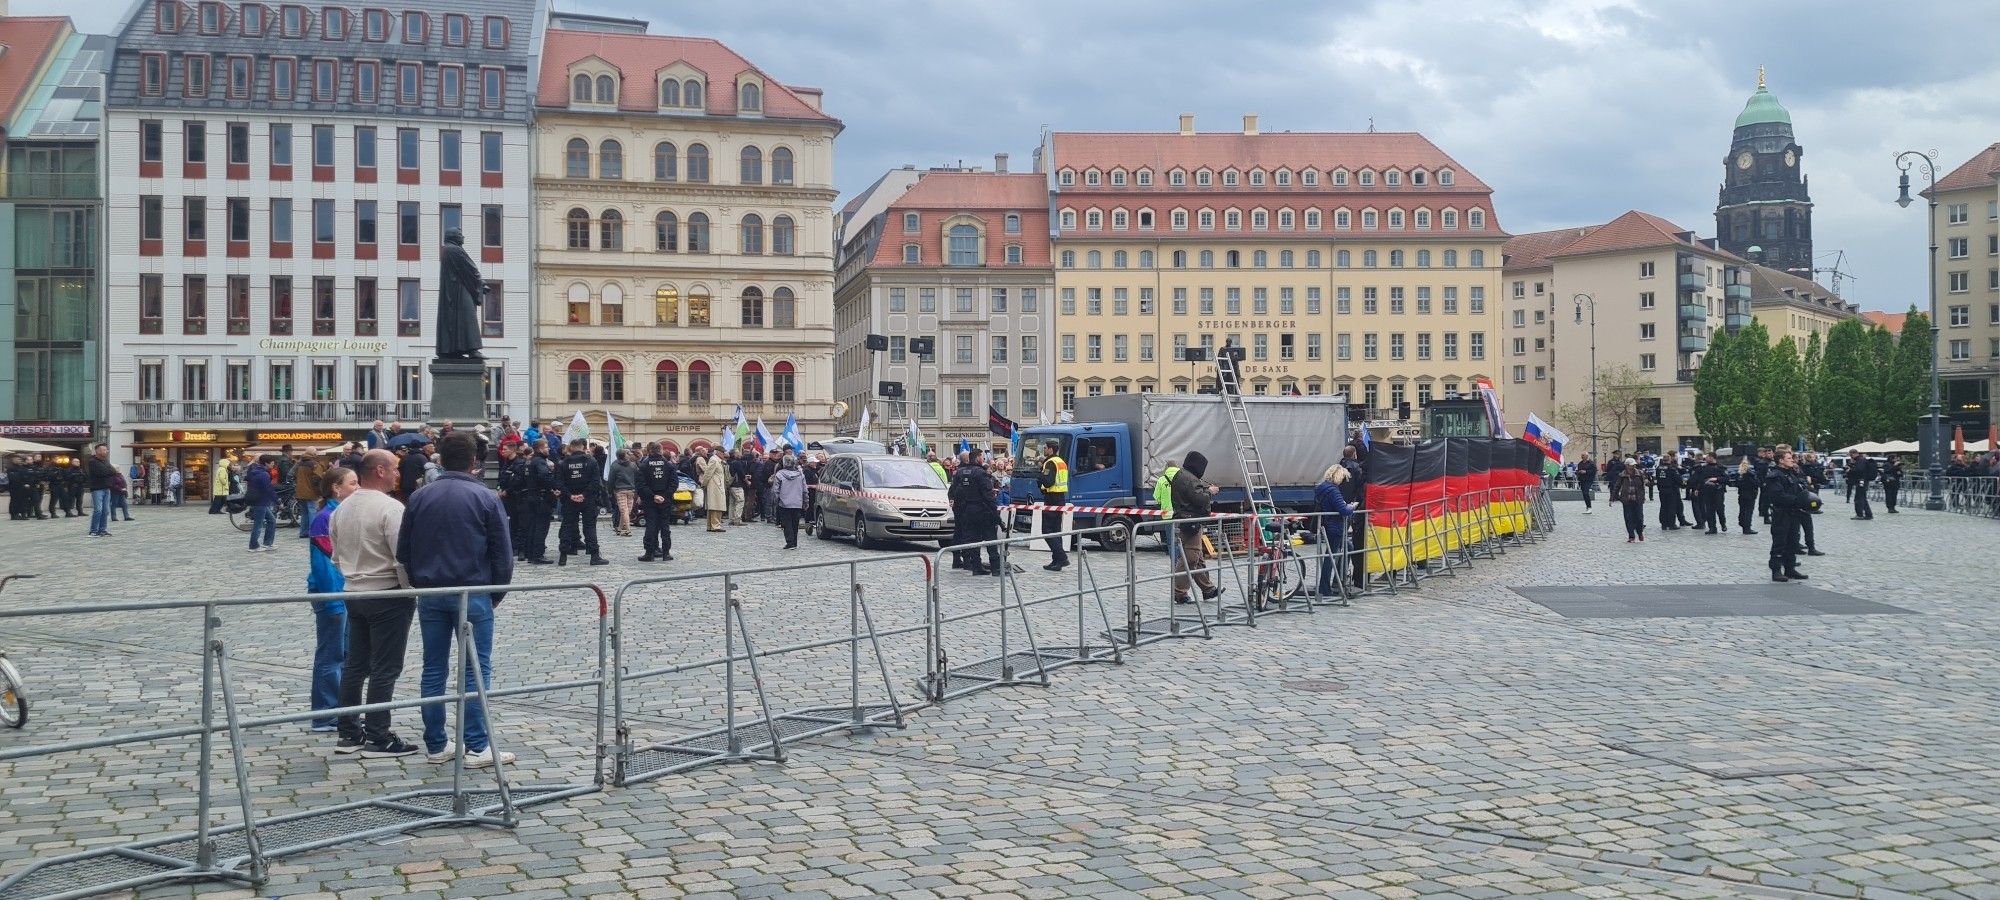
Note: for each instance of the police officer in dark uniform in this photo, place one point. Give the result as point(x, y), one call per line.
point(73, 488)
point(538, 493)
point(582, 486)
point(1744, 478)
point(17, 488)
point(37, 478)
point(1710, 482)
point(1670, 481)
point(1892, 481)
point(1766, 459)
point(510, 484)
point(658, 479)
point(1792, 503)
point(974, 515)
point(1815, 472)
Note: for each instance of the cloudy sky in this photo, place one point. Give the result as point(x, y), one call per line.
point(1574, 110)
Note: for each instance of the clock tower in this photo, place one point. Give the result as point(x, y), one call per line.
point(1763, 212)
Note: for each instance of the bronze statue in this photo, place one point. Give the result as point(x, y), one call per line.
point(460, 293)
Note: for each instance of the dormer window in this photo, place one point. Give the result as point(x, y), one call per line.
point(1093, 178)
point(211, 18)
point(455, 28)
point(1475, 220)
point(670, 92)
point(1203, 178)
point(750, 98)
point(1229, 178)
point(1418, 178)
point(1392, 178)
point(167, 17)
point(375, 25)
point(1117, 177)
point(1066, 178)
point(416, 27)
point(1444, 177)
point(1367, 178)
point(1309, 178)
point(607, 89)
point(1013, 223)
point(335, 20)
point(1283, 178)
point(691, 94)
point(1340, 177)
point(253, 20)
point(912, 223)
point(496, 33)
point(1144, 178)
point(1177, 178)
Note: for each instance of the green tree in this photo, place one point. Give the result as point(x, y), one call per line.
point(1784, 399)
point(1619, 390)
point(1907, 396)
point(1753, 361)
point(1843, 392)
point(1882, 368)
point(1715, 383)
point(1812, 355)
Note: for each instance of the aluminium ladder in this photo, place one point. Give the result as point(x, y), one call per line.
point(1255, 482)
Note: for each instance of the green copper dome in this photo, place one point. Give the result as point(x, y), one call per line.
point(1763, 109)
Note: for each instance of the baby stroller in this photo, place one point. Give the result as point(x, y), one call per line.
point(687, 499)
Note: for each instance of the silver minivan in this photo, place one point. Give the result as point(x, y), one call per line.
point(875, 497)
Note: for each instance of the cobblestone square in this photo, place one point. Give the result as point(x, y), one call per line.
point(1457, 739)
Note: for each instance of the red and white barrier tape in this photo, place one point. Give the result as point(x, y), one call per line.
point(1064, 507)
point(871, 495)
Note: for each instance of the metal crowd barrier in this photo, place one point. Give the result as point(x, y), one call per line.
point(637, 760)
point(1976, 496)
point(1177, 620)
point(241, 851)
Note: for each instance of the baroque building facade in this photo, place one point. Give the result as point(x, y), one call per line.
point(1967, 264)
point(684, 212)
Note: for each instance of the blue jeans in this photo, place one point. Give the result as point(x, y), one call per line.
point(100, 510)
point(264, 518)
point(1333, 540)
point(437, 618)
point(329, 653)
point(306, 510)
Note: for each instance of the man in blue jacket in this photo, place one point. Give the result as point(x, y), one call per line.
point(260, 490)
point(455, 534)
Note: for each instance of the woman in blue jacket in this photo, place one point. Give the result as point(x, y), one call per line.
point(329, 616)
point(1334, 511)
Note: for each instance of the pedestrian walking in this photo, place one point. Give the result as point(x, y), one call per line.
point(1586, 479)
point(329, 616)
point(788, 486)
point(261, 492)
point(176, 487)
point(98, 477)
point(714, 486)
point(1631, 494)
point(464, 544)
point(121, 504)
point(624, 491)
point(1192, 499)
point(365, 531)
point(1788, 490)
point(218, 485)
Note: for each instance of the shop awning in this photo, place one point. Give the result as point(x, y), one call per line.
point(12, 445)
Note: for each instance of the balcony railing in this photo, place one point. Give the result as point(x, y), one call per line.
point(1736, 291)
point(1694, 343)
point(49, 186)
point(1736, 321)
point(1694, 281)
point(1684, 376)
point(218, 412)
point(1695, 311)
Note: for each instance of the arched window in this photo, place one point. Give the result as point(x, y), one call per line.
point(964, 241)
point(1260, 259)
point(666, 162)
point(697, 233)
point(579, 91)
point(1208, 259)
point(1395, 259)
point(579, 229)
point(1343, 259)
point(1423, 259)
point(667, 383)
point(670, 92)
point(753, 383)
point(781, 166)
point(691, 94)
point(753, 234)
point(1069, 259)
point(1312, 259)
point(607, 89)
point(611, 231)
point(611, 160)
point(699, 305)
point(1368, 259)
point(753, 307)
point(1145, 259)
point(1094, 259)
point(1477, 258)
point(579, 304)
point(697, 161)
point(1476, 219)
point(750, 99)
point(1444, 176)
point(699, 390)
point(752, 169)
point(666, 306)
point(1286, 259)
point(1013, 254)
point(783, 242)
point(1180, 259)
point(666, 232)
point(1233, 259)
point(1309, 178)
point(1119, 258)
point(784, 384)
point(784, 309)
point(579, 380)
point(576, 158)
point(612, 377)
point(1451, 259)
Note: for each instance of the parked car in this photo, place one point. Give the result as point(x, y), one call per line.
point(875, 497)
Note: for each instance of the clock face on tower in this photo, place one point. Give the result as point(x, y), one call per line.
point(1791, 159)
point(1743, 160)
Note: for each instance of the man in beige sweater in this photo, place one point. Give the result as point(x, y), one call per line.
point(364, 531)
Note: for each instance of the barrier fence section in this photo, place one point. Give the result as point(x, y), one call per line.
point(240, 851)
point(1977, 496)
point(637, 760)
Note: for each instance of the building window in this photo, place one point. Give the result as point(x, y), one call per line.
point(365, 308)
point(407, 221)
point(781, 166)
point(783, 236)
point(697, 233)
point(752, 233)
point(666, 306)
point(665, 162)
point(496, 33)
point(666, 232)
point(409, 83)
point(611, 378)
point(964, 241)
point(578, 227)
point(576, 158)
point(578, 381)
point(611, 230)
point(699, 391)
point(753, 308)
point(492, 87)
point(698, 310)
point(195, 67)
point(697, 163)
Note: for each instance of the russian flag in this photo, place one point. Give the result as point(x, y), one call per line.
point(1545, 436)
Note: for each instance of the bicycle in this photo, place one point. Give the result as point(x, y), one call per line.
point(13, 697)
point(1280, 572)
point(239, 514)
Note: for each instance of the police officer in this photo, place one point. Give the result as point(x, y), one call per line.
point(1766, 459)
point(1792, 502)
point(1815, 472)
point(1055, 492)
point(37, 481)
point(1892, 482)
point(977, 519)
point(1860, 471)
point(1711, 480)
point(17, 488)
point(510, 484)
point(657, 482)
point(1743, 476)
point(582, 486)
point(538, 493)
point(1668, 478)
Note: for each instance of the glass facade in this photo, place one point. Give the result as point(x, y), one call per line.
point(52, 204)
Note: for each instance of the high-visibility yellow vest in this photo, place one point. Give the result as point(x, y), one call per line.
point(1163, 490)
point(938, 467)
point(1062, 475)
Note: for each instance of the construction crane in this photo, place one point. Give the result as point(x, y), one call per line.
point(1834, 273)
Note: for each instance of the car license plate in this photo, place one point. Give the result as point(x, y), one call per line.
point(926, 525)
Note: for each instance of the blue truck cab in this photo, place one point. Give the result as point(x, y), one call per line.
point(1103, 470)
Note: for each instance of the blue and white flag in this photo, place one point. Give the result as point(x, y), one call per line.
point(728, 439)
point(791, 436)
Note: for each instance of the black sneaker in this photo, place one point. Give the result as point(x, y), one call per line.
point(1212, 593)
point(347, 745)
point(1814, 553)
point(1054, 567)
point(392, 747)
point(599, 561)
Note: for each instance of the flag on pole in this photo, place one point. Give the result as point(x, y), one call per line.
point(1000, 425)
point(762, 436)
point(791, 435)
point(916, 439)
point(1545, 436)
point(861, 433)
point(964, 446)
point(742, 429)
point(617, 443)
point(728, 439)
point(1492, 398)
point(579, 430)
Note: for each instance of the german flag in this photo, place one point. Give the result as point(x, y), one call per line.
point(1389, 471)
point(1530, 457)
point(1515, 463)
point(1478, 482)
point(1427, 500)
point(1457, 475)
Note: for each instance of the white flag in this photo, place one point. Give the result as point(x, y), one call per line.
point(862, 432)
point(579, 430)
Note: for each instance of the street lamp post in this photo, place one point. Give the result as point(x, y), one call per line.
point(1934, 423)
point(1583, 300)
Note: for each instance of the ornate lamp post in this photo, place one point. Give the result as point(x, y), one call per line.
point(1583, 300)
point(1934, 423)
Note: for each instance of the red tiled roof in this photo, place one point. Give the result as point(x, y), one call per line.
point(1978, 172)
point(1891, 321)
point(27, 41)
point(1634, 230)
point(1532, 251)
point(988, 196)
point(638, 56)
point(1325, 151)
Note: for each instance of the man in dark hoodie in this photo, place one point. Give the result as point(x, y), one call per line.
point(1192, 500)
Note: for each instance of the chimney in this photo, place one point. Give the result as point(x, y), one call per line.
point(1249, 123)
point(1000, 163)
point(1187, 123)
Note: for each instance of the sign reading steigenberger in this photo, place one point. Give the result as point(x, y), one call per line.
point(310, 345)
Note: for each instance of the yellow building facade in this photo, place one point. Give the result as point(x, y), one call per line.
point(1366, 264)
point(683, 205)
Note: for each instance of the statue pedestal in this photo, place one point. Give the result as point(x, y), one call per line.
point(458, 391)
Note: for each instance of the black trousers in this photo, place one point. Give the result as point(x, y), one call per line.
point(1635, 518)
point(1588, 486)
point(1746, 507)
point(1357, 539)
point(1806, 526)
point(1785, 526)
point(1861, 507)
point(1670, 508)
point(1889, 489)
point(788, 519)
point(1052, 523)
point(659, 540)
point(515, 532)
point(378, 635)
point(535, 529)
point(972, 528)
point(574, 516)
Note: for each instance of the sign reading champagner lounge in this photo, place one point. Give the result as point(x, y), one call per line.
point(311, 345)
